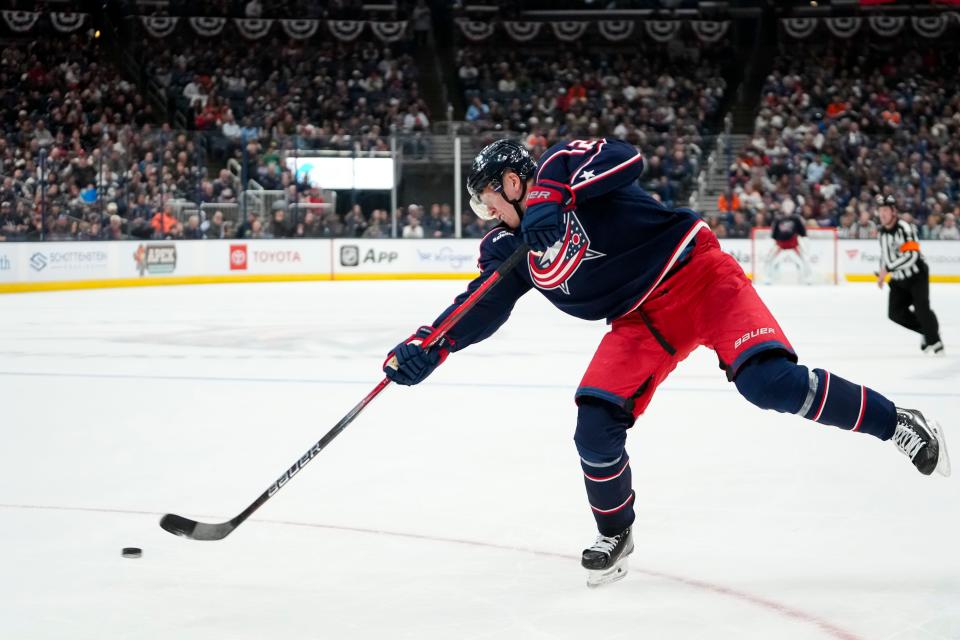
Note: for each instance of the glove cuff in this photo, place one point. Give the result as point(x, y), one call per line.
point(441, 347)
point(549, 191)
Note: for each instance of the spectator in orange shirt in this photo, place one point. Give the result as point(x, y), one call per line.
point(728, 202)
point(536, 141)
point(163, 222)
point(891, 116)
point(836, 109)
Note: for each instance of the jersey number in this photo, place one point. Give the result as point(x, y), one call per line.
point(582, 145)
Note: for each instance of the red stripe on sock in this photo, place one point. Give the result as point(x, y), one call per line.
point(615, 509)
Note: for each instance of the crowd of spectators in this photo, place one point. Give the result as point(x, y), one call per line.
point(663, 99)
point(838, 124)
point(71, 121)
point(843, 121)
point(334, 95)
point(81, 158)
point(105, 153)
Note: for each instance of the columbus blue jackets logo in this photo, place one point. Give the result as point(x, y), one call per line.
point(556, 265)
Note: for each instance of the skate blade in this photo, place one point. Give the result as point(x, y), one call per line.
point(943, 461)
point(618, 571)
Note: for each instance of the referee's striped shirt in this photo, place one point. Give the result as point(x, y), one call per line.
point(900, 251)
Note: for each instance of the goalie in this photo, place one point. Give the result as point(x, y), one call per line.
point(786, 231)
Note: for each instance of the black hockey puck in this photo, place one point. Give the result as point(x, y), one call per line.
point(131, 552)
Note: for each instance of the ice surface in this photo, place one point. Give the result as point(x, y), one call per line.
point(454, 509)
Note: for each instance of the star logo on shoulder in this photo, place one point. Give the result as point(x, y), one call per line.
point(586, 175)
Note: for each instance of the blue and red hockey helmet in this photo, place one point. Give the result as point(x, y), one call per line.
point(488, 169)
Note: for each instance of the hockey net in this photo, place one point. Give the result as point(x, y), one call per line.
point(816, 262)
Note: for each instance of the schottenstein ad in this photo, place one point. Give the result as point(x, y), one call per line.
point(64, 261)
point(33, 266)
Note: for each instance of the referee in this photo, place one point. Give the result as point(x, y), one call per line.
point(909, 276)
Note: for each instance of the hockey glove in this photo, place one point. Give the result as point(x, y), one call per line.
point(409, 363)
point(543, 222)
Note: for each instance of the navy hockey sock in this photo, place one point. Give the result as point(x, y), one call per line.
point(600, 437)
point(607, 484)
point(780, 385)
point(841, 403)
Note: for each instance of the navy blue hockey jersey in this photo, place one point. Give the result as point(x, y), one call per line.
point(786, 228)
point(618, 245)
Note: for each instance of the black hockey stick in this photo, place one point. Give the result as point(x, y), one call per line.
point(178, 525)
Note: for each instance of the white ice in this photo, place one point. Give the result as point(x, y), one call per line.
point(454, 509)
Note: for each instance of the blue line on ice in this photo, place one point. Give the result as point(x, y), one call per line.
point(489, 385)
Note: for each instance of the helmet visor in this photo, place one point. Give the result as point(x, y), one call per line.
point(479, 208)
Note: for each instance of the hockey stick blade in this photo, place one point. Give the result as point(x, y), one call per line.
point(187, 528)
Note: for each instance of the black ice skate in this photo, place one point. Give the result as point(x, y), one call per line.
point(922, 442)
point(606, 560)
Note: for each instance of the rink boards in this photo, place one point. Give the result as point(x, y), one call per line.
point(79, 265)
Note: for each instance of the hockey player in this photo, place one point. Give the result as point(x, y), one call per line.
point(786, 231)
point(909, 276)
point(602, 247)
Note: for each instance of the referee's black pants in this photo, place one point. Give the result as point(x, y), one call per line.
point(914, 291)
